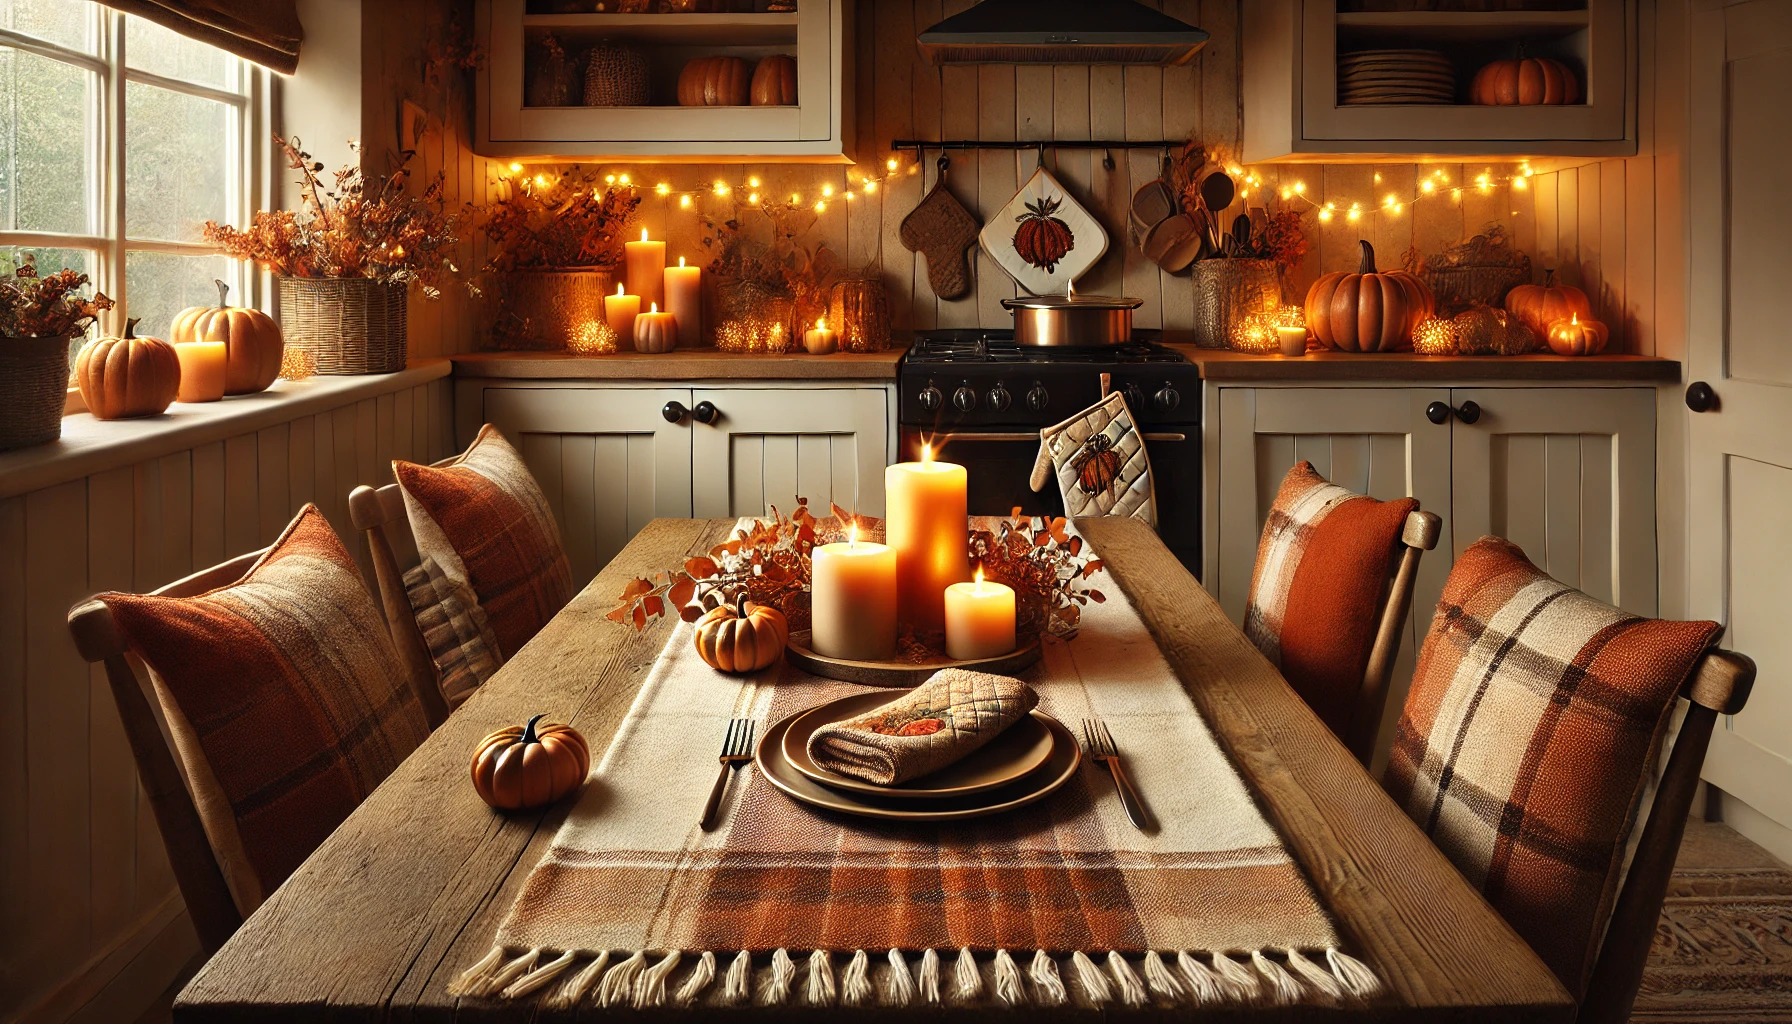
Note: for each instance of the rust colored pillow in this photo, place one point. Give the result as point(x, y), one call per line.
point(1317, 590)
point(484, 522)
point(1525, 743)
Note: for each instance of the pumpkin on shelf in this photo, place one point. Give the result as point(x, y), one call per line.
point(1485, 331)
point(128, 376)
point(1540, 305)
point(656, 332)
point(1367, 311)
point(1524, 81)
point(742, 637)
point(530, 765)
point(252, 342)
point(1577, 337)
point(714, 82)
point(774, 82)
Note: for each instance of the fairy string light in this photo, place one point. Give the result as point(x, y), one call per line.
point(1436, 185)
point(752, 191)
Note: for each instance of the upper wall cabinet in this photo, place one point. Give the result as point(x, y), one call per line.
point(1315, 90)
point(593, 84)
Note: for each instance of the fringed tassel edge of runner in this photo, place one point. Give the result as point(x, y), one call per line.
point(646, 978)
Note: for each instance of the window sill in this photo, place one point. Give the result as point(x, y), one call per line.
point(90, 445)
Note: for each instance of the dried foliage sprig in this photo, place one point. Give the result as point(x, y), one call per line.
point(568, 220)
point(1047, 566)
point(376, 230)
point(38, 306)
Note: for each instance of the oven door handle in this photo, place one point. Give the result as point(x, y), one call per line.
point(943, 438)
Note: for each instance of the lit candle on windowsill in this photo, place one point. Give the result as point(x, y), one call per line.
point(820, 341)
point(201, 371)
point(1293, 340)
point(853, 606)
point(684, 300)
point(927, 528)
point(979, 619)
point(646, 263)
point(620, 311)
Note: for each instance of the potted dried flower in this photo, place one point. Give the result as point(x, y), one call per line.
point(39, 316)
point(346, 259)
point(556, 241)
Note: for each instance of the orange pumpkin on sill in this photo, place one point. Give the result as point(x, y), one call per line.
point(128, 376)
point(742, 637)
point(1540, 305)
point(1367, 311)
point(530, 766)
point(252, 342)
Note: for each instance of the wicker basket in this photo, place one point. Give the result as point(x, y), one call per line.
point(33, 389)
point(1226, 290)
point(544, 309)
point(349, 324)
point(1462, 288)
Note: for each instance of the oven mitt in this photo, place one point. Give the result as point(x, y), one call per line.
point(1099, 459)
point(941, 229)
point(953, 713)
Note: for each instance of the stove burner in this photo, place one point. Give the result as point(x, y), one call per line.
point(1000, 347)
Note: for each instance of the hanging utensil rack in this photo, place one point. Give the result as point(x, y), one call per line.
point(921, 146)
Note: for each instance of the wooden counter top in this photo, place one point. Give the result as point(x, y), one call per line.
point(690, 364)
point(1220, 365)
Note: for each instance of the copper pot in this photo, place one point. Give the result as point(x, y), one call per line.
point(1077, 320)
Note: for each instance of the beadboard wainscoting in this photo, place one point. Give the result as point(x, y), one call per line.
point(86, 895)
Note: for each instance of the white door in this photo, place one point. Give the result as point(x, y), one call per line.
point(768, 446)
point(1740, 454)
point(606, 458)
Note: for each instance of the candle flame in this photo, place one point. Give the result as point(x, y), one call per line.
point(1070, 288)
point(927, 454)
point(619, 291)
point(978, 578)
point(643, 234)
point(681, 262)
point(852, 535)
point(655, 307)
point(821, 323)
point(1574, 318)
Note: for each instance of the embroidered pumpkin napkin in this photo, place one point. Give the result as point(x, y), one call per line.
point(926, 729)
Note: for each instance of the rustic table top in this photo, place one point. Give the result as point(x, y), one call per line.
point(411, 889)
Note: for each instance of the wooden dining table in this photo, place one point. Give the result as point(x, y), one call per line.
point(411, 889)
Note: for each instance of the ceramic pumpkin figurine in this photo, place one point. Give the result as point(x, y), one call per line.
point(742, 637)
point(656, 331)
point(714, 82)
point(1540, 305)
point(774, 82)
point(1367, 311)
point(1577, 337)
point(529, 766)
point(128, 376)
point(1524, 81)
point(252, 342)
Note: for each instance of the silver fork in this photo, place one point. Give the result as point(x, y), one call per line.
point(1099, 742)
point(737, 749)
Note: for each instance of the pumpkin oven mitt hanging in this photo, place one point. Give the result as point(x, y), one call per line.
point(941, 229)
point(1099, 459)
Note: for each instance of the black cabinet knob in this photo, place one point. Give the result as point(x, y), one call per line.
point(1000, 399)
point(1700, 397)
point(964, 399)
point(1468, 412)
point(1167, 398)
point(1437, 412)
point(930, 398)
point(673, 412)
point(706, 412)
point(1038, 398)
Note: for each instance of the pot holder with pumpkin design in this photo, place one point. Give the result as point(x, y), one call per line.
point(1099, 458)
point(953, 713)
point(1043, 238)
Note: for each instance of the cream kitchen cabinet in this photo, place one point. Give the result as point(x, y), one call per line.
point(1567, 473)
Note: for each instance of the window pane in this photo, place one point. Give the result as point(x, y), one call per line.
point(48, 262)
point(59, 21)
point(43, 148)
point(176, 163)
point(158, 285)
point(161, 51)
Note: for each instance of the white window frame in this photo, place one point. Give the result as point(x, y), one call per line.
point(246, 184)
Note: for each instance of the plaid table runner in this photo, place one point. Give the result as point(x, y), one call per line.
point(1059, 902)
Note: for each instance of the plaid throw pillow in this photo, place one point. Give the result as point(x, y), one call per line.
point(1526, 740)
point(455, 630)
point(1318, 587)
point(286, 698)
point(485, 523)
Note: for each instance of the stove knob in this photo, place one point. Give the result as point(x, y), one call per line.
point(1135, 397)
point(930, 398)
point(1167, 398)
point(1037, 397)
point(1000, 399)
point(964, 399)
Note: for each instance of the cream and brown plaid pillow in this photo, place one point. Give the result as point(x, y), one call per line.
point(454, 628)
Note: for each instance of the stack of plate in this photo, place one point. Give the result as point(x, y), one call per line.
point(1027, 762)
point(1395, 76)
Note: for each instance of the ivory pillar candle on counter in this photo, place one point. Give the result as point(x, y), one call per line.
point(979, 619)
point(1293, 340)
point(201, 371)
point(853, 605)
point(684, 300)
point(819, 341)
point(646, 263)
point(927, 527)
point(620, 311)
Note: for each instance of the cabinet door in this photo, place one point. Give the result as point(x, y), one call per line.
point(768, 446)
point(1568, 474)
point(605, 457)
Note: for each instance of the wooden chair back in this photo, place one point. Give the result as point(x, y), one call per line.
point(1418, 536)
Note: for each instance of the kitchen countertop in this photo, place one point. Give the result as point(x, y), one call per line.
point(1224, 366)
point(689, 364)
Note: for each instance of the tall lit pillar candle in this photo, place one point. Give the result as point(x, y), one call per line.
point(646, 265)
point(684, 300)
point(620, 311)
point(926, 524)
point(853, 600)
point(979, 619)
point(201, 371)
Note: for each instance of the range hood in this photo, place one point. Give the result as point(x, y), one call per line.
point(1061, 32)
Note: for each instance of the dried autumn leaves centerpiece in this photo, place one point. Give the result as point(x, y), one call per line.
point(39, 315)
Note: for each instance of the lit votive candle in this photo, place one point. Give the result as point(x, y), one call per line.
point(853, 600)
point(620, 311)
point(646, 263)
point(926, 525)
point(820, 341)
point(979, 619)
point(201, 371)
point(1293, 340)
point(684, 300)
point(655, 331)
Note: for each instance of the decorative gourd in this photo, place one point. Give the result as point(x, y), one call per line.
point(1540, 305)
point(774, 82)
point(529, 766)
point(1524, 81)
point(1367, 311)
point(1577, 337)
point(714, 82)
point(615, 76)
point(742, 637)
point(1475, 329)
point(252, 342)
point(1515, 337)
point(655, 332)
point(128, 376)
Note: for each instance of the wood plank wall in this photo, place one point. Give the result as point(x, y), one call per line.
point(82, 867)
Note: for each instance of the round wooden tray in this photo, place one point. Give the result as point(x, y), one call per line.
point(900, 672)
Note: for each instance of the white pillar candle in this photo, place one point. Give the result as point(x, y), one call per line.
point(620, 311)
point(1293, 340)
point(979, 619)
point(928, 528)
point(820, 341)
point(646, 263)
point(201, 371)
point(684, 300)
point(853, 600)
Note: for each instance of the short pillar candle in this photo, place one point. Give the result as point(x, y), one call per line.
point(201, 371)
point(979, 619)
point(927, 527)
point(620, 311)
point(853, 604)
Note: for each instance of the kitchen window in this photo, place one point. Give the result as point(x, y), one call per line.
point(118, 140)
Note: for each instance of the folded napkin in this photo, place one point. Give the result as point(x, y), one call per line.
point(953, 713)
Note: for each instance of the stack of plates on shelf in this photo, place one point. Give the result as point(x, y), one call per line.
point(1395, 76)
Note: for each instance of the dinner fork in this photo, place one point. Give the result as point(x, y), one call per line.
point(737, 749)
point(1099, 742)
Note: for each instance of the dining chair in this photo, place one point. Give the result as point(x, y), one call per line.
point(1418, 535)
point(379, 514)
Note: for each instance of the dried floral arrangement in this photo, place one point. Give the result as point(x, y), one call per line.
point(376, 230)
point(767, 283)
point(566, 220)
point(40, 306)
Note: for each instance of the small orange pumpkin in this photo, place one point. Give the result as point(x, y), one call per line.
point(1367, 311)
point(714, 82)
point(1577, 337)
point(774, 82)
point(252, 342)
point(128, 376)
point(742, 637)
point(1524, 81)
point(1540, 305)
point(530, 766)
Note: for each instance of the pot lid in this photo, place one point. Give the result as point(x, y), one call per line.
point(1073, 302)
